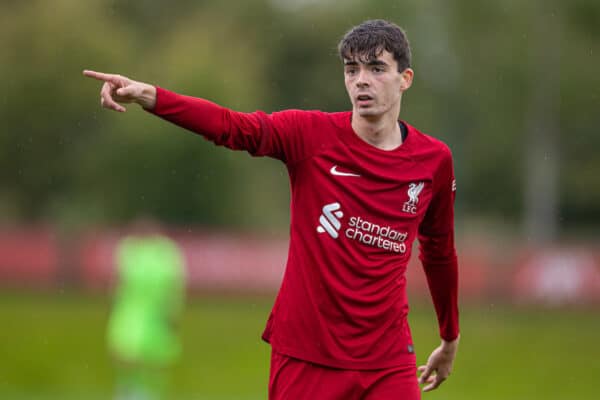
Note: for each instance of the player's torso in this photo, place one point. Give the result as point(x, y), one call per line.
point(355, 214)
point(366, 204)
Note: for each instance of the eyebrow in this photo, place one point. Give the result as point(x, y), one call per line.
point(372, 62)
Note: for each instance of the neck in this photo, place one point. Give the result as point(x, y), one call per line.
point(381, 131)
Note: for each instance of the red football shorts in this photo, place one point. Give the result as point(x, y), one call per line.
point(293, 379)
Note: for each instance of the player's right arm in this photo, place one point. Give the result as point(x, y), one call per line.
point(275, 135)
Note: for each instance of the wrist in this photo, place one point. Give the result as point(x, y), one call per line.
point(148, 97)
point(450, 345)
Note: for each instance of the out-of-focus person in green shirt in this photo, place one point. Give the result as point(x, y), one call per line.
point(142, 330)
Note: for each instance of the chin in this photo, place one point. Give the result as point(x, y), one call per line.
point(367, 112)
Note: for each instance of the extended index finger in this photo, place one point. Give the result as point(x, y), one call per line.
point(101, 76)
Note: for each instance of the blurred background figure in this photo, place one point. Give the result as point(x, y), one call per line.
point(142, 331)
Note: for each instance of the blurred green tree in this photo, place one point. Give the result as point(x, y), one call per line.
point(478, 69)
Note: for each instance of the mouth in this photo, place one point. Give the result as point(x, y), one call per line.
point(364, 99)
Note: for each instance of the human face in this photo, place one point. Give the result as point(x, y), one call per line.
point(375, 87)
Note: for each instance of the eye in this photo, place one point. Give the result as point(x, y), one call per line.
point(377, 69)
point(350, 71)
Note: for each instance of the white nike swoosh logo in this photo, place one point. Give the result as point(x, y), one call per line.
point(334, 171)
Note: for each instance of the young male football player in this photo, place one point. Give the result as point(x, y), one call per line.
point(364, 186)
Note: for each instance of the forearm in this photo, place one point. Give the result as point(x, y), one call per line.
point(441, 269)
point(195, 114)
point(443, 285)
point(254, 132)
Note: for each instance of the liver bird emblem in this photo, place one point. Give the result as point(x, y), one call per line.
point(413, 192)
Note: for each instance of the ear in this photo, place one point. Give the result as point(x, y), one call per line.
point(407, 79)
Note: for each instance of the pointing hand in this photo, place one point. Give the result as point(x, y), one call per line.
point(119, 89)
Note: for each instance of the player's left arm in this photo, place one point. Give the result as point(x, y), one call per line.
point(438, 256)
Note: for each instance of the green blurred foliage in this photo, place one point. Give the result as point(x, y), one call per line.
point(65, 160)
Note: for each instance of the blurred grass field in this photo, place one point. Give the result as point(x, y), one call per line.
point(52, 347)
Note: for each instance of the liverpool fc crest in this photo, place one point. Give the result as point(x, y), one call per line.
point(414, 190)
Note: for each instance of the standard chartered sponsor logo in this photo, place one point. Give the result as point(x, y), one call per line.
point(375, 235)
point(361, 230)
point(329, 220)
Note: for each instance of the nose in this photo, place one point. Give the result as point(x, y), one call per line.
point(362, 80)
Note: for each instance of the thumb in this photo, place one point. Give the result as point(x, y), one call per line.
point(126, 91)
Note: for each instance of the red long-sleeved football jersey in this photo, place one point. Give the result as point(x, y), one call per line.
point(355, 212)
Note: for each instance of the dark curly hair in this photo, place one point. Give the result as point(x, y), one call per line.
point(369, 39)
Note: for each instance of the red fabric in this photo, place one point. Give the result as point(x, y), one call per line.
point(291, 379)
point(437, 252)
point(355, 213)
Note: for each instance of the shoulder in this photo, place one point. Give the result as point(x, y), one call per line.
point(314, 122)
point(428, 146)
point(316, 116)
